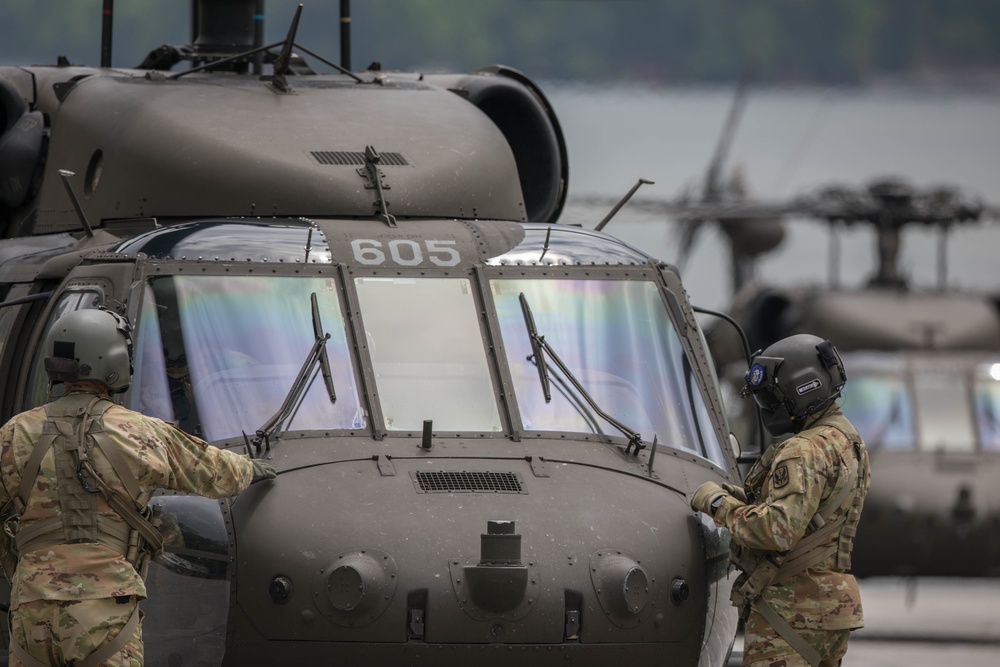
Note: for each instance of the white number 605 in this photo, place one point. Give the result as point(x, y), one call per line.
point(405, 252)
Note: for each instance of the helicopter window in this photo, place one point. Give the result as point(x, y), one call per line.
point(222, 352)
point(881, 408)
point(617, 338)
point(987, 401)
point(703, 420)
point(943, 412)
point(427, 350)
point(69, 301)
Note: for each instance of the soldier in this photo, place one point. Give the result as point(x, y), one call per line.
point(793, 523)
point(77, 476)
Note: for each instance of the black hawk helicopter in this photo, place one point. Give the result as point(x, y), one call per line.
point(486, 425)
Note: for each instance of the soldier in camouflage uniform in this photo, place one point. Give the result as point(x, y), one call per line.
point(793, 522)
point(76, 538)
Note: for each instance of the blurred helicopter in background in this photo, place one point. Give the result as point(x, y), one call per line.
point(924, 364)
point(924, 380)
point(363, 271)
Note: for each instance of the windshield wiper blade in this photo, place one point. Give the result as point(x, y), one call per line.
point(540, 348)
point(536, 348)
point(324, 357)
point(317, 354)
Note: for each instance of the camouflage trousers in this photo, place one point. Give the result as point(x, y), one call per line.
point(57, 632)
point(763, 647)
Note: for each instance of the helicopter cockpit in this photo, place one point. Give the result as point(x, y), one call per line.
point(904, 402)
point(217, 350)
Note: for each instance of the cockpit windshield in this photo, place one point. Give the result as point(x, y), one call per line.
point(218, 354)
point(616, 338)
point(426, 346)
point(987, 400)
point(939, 403)
point(880, 406)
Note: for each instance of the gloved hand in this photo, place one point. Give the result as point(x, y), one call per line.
point(703, 497)
point(737, 492)
point(262, 470)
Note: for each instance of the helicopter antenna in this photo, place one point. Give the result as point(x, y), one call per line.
point(107, 13)
point(282, 64)
point(345, 34)
point(309, 244)
point(545, 246)
point(331, 64)
point(652, 454)
point(76, 202)
point(622, 202)
point(372, 160)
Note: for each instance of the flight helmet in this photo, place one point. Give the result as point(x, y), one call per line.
point(93, 345)
point(792, 379)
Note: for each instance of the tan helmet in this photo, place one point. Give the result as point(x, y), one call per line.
point(93, 345)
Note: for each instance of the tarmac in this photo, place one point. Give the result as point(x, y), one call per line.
point(924, 622)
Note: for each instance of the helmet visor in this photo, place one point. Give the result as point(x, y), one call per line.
point(760, 381)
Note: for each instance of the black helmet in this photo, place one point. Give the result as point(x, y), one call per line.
point(792, 379)
point(93, 344)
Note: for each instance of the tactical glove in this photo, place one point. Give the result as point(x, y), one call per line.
point(262, 470)
point(703, 497)
point(737, 492)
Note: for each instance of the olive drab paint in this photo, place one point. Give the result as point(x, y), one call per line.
point(327, 271)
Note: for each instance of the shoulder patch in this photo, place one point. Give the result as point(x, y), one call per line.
point(780, 477)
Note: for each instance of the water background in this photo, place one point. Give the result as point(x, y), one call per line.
point(789, 141)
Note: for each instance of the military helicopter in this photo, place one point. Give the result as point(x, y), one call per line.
point(924, 388)
point(486, 425)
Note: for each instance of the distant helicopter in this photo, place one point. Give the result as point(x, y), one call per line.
point(486, 425)
point(924, 380)
point(924, 365)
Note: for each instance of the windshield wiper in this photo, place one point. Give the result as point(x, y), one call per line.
point(302, 381)
point(540, 348)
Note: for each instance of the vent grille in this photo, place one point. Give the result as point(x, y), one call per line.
point(357, 159)
point(467, 482)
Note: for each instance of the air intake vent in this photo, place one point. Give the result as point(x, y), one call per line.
point(467, 482)
point(357, 158)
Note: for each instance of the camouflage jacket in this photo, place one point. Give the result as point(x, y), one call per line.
point(804, 471)
point(159, 455)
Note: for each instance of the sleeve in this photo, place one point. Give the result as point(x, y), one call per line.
point(793, 490)
point(7, 466)
point(8, 560)
point(197, 467)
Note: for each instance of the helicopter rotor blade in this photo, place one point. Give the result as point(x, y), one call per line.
point(712, 187)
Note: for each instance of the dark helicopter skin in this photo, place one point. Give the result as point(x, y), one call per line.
point(340, 274)
point(923, 386)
